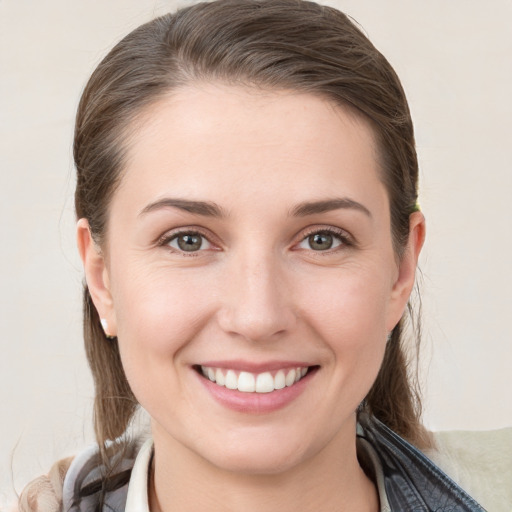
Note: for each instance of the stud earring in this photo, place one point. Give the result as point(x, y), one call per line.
point(104, 324)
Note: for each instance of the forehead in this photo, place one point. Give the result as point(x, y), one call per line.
point(219, 140)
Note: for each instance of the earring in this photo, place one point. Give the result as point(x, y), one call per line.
point(104, 324)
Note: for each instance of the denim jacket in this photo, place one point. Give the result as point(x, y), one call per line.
point(412, 481)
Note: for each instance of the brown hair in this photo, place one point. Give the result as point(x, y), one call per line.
point(273, 44)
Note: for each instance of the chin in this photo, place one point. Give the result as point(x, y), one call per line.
point(261, 454)
point(257, 462)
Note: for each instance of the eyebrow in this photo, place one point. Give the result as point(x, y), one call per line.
point(327, 205)
point(210, 209)
point(205, 208)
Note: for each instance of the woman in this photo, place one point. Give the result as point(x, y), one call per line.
point(249, 228)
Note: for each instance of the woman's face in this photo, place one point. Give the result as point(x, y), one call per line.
point(250, 237)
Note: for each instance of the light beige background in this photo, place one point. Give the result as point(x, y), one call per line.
point(454, 58)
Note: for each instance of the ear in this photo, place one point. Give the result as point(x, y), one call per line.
point(404, 283)
point(96, 275)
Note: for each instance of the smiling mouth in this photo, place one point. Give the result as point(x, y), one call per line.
point(248, 382)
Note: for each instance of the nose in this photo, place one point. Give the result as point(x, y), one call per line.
point(256, 299)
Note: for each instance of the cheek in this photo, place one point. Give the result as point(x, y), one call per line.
point(350, 306)
point(157, 315)
point(349, 315)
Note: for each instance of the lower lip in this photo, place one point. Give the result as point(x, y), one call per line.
point(256, 403)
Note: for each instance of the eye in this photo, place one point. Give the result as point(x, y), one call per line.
point(322, 241)
point(188, 242)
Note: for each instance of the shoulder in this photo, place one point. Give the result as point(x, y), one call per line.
point(480, 462)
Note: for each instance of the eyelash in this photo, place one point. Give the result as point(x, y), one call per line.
point(341, 235)
point(166, 239)
point(338, 233)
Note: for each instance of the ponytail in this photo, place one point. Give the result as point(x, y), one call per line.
point(44, 494)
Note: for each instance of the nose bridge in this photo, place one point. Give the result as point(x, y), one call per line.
point(256, 303)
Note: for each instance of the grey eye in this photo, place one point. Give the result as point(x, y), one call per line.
point(189, 242)
point(321, 241)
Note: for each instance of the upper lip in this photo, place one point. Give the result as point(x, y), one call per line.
point(253, 367)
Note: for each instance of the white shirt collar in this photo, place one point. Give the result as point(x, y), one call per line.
point(137, 498)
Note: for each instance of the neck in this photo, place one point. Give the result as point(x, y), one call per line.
point(331, 480)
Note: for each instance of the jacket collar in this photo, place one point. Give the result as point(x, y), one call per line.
point(412, 480)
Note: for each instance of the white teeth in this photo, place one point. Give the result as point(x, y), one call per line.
point(231, 380)
point(264, 383)
point(279, 380)
point(290, 377)
point(247, 382)
point(219, 377)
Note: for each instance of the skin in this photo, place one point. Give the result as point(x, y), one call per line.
point(256, 291)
